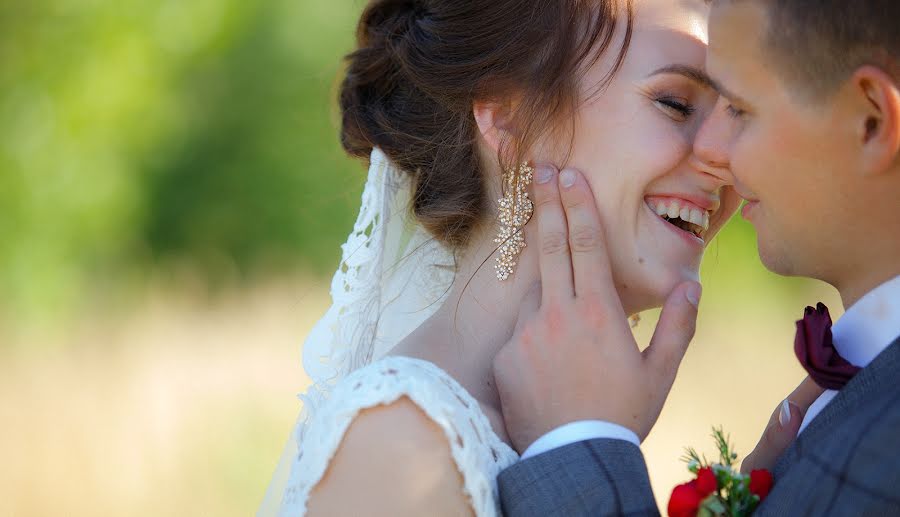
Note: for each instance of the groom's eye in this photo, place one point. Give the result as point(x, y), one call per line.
point(734, 112)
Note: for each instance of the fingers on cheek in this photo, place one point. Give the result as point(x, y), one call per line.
point(544, 175)
point(527, 337)
point(554, 242)
point(584, 238)
point(545, 193)
point(555, 319)
point(575, 197)
point(591, 311)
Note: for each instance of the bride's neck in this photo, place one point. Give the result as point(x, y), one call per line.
point(477, 318)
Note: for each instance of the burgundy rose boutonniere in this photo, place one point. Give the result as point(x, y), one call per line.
point(718, 489)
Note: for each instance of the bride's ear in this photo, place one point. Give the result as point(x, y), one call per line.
point(494, 121)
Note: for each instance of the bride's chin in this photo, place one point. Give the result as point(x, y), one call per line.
point(652, 290)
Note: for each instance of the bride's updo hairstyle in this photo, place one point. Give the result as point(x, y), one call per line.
point(420, 65)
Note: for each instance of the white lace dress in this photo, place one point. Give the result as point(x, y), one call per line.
point(479, 453)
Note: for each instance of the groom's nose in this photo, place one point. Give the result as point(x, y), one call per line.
point(712, 142)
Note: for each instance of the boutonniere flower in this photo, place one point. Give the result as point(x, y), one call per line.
point(718, 489)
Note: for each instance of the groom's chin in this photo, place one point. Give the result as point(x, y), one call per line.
point(774, 257)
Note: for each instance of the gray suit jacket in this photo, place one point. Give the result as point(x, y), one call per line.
point(846, 462)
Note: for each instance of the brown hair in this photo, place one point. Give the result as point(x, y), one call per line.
point(419, 66)
point(818, 45)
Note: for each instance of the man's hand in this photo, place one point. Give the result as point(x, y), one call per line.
point(573, 356)
point(783, 427)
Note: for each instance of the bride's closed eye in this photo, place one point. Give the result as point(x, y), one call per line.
point(674, 102)
point(678, 108)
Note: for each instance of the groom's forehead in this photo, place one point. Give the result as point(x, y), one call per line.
point(744, 17)
point(734, 55)
point(747, 20)
point(736, 31)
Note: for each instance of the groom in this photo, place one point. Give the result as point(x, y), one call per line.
point(809, 124)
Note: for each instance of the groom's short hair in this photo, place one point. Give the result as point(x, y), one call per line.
point(818, 44)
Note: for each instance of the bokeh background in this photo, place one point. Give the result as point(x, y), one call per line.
point(172, 201)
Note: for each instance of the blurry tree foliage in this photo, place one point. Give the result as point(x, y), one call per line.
point(137, 136)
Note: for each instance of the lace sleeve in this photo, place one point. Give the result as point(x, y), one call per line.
point(479, 454)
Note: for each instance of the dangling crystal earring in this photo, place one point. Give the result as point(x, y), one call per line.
point(515, 210)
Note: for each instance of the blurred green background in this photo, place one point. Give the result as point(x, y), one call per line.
point(192, 136)
point(172, 200)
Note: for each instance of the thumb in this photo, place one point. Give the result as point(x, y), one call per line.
point(675, 329)
point(784, 424)
point(778, 436)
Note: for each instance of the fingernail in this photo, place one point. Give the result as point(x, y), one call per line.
point(567, 178)
point(543, 174)
point(784, 417)
point(693, 294)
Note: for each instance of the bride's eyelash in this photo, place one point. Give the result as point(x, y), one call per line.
point(677, 104)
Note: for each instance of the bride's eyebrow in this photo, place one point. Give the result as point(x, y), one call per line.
point(693, 73)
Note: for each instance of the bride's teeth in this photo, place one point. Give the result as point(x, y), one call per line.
point(696, 217)
point(674, 210)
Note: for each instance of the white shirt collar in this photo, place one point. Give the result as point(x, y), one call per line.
point(869, 325)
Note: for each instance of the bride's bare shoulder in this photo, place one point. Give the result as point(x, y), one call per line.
point(393, 460)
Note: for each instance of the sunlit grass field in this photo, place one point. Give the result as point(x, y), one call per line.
point(180, 408)
point(182, 405)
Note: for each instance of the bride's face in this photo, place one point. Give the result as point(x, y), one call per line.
point(634, 142)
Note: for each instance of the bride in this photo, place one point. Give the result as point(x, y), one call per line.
point(457, 104)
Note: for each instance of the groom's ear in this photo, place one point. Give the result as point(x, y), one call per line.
point(877, 120)
point(495, 122)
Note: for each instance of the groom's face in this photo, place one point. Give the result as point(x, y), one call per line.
point(788, 154)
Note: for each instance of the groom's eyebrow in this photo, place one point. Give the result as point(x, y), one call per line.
point(693, 73)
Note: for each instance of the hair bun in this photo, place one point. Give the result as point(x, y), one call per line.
point(389, 19)
point(373, 91)
point(419, 66)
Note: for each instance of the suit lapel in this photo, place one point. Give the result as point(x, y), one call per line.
point(881, 374)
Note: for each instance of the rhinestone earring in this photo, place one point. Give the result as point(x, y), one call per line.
point(634, 320)
point(515, 210)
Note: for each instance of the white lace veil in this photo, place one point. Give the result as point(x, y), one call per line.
point(392, 276)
